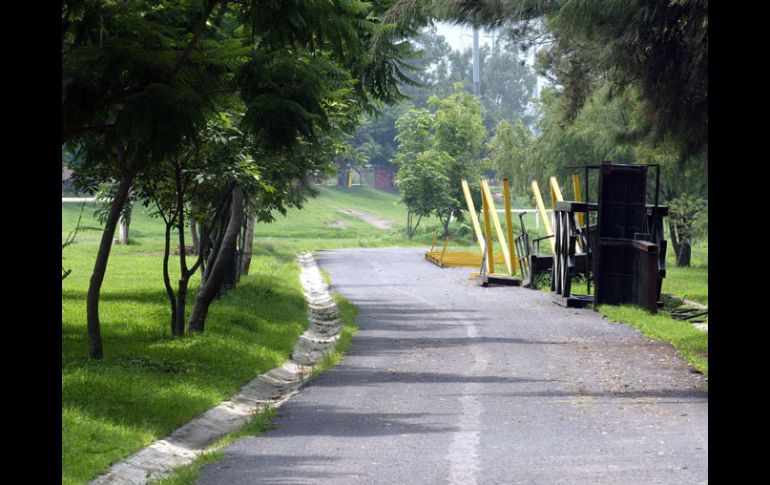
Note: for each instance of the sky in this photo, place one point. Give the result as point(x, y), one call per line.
point(460, 37)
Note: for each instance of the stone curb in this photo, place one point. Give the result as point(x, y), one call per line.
point(272, 388)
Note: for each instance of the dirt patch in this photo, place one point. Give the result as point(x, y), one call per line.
point(337, 223)
point(376, 221)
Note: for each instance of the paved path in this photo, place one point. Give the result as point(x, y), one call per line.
point(448, 382)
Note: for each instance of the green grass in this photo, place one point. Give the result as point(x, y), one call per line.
point(150, 383)
point(691, 283)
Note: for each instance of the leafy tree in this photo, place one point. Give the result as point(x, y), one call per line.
point(415, 138)
point(140, 79)
point(658, 46)
point(447, 137)
point(459, 132)
point(686, 214)
point(133, 87)
point(511, 154)
point(424, 186)
point(69, 240)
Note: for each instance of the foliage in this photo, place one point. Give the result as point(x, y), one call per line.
point(510, 153)
point(603, 130)
point(142, 80)
point(507, 84)
point(458, 131)
point(685, 218)
point(438, 147)
point(660, 47)
point(424, 186)
point(69, 240)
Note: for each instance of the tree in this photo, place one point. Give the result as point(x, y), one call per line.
point(424, 186)
point(446, 138)
point(507, 85)
point(133, 87)
point(685, 215)
point(660, 47)
point(141, 78)
point(511, 154)
point(459, 132)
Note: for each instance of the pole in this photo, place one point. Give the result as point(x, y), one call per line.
point(476, 67)
point(543, 215)
point(488, 228)
point(509, 226)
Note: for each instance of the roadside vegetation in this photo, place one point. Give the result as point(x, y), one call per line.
point(150, 383)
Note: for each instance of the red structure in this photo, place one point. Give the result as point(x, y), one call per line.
point(383, 177)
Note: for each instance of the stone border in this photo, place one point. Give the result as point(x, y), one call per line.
point(272, 389)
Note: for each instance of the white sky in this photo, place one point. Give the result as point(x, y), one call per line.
point(460, 37)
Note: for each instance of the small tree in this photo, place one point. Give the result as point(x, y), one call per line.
point(459, 132)
point(511, 154)
point(685, 217)
point(69, 240)
point(105, 194)
point(424, 187)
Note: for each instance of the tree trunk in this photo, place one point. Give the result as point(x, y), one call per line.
point(213, 241)
point(682, 246)
point(167, 278)
point(123, 233)
point(216, 271)
point(194, 236)
point(445, 224)
point(100, 266)
point(684, 254)
point(409, 216)
point(177, 329)
point(674, 237)
point(249, 245)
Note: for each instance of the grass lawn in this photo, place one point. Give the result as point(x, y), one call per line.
point(150, 383)
point(691, 283)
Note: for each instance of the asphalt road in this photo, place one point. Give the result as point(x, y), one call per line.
point(448, 382)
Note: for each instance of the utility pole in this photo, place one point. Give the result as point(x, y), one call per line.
point(476, 75)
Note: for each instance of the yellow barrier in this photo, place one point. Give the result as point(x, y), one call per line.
point(488, 231)
point(509, 226)
point(543, 215)
point(578, 196)
point(498, 228)
point(472, 212)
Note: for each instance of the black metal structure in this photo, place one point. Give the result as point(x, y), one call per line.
point(623, 254)
point(531, 262)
